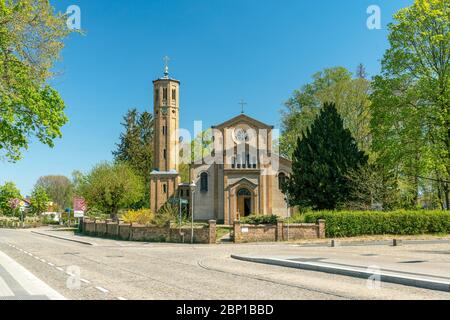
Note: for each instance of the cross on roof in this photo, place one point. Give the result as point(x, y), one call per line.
point(243, 104)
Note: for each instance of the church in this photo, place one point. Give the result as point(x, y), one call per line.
point(242, 176)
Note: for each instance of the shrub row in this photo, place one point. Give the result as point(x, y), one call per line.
point(352, 223)
point(260, 219)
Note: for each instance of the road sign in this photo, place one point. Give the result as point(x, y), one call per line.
point(79, 207)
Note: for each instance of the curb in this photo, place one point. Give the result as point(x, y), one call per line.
point(63, 238)
point(390, 277)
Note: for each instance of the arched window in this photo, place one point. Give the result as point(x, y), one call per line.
point(281, 180)
point(244, 193)
point(204, 182)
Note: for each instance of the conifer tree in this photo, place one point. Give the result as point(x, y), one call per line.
point(323, 157)
point(136, 146)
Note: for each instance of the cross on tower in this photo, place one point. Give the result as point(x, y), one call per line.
point(243, 104)
point(166, 60)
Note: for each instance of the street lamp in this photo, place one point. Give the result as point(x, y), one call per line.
point(288, 216)
point(192, 186)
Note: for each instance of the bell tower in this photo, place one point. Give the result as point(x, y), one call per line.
point(166, 109)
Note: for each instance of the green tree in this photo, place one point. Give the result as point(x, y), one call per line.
point(136, 146)
point(31, 38)
point(39, 201)
point(330, 85)
point(110, 187)
point(8, 192)
point(321, 161)
point(411, 98)
point(200, 148)
point(372, 188)
point(58, 188)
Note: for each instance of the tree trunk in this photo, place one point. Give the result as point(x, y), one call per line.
point(446, 196)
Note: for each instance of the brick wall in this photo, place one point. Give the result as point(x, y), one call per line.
point(123, 231)
point(278, 232)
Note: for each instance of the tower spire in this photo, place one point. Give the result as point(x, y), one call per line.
point(166, 67)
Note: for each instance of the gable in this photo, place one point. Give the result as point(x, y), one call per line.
point(242, 118)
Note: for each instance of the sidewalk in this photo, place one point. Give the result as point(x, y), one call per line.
point(424, 265)
point(64, 235)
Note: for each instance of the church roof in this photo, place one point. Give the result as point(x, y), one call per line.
point(242, 118)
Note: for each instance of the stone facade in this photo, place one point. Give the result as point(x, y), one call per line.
point(229, 179)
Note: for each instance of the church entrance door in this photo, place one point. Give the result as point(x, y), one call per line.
point(244, 203)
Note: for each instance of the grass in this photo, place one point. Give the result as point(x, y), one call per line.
point(222, 231)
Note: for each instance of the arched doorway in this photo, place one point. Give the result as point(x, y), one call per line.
point(244, 202)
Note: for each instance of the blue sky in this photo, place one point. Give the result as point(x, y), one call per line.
point(221, 50)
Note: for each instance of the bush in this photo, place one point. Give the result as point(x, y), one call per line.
point(142, 216)
point(295, 218)
point(354, 223)
point(260, 219)
point(167, 214)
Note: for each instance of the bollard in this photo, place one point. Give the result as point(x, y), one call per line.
point(397, 243)
point(334, 243)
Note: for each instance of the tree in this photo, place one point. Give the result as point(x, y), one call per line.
point(411, 100)
point(31, 38)
point(8, 192)
point(351, 96)
point(110, 187)
point(39, 201)
point(323, 157)
point(58, 188)
point(136, 146)
point(371, 188)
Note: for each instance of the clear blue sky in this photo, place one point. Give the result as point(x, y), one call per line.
point(221, 50)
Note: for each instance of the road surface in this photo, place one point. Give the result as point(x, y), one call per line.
point(113, 270)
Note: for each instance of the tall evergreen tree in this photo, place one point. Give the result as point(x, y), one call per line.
point(323, 157)
point(136, 146)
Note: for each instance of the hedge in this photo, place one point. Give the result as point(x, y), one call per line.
point(260, 219)
point(353, 223)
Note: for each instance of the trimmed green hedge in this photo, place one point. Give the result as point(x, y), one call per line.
point(260, 219)
point(354, 223)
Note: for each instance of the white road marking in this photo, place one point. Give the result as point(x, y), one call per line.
point(28, 281)
point(121, 298)
point(60, 269)
point(42, 260)
point(85, 281)
point(5, 291)
point(102, 289)
point(50, 264)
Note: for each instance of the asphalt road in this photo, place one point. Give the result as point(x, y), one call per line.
point(126, 270)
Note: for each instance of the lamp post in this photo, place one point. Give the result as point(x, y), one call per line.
point(288, 216)
point(192, 187)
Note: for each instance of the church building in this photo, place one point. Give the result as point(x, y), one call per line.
point(242, 176)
